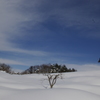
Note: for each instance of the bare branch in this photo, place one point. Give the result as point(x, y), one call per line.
point(52, 78)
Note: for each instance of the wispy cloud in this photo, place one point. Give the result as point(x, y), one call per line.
point(12, 62)
point(30, 52)
point(12, 20)
point(28, 20)
point(21, 15)
point(67, 12)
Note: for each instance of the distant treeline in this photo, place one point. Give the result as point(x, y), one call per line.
point(44, 68)
point(48, 68)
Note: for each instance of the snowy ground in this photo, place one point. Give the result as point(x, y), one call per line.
point(73, 86)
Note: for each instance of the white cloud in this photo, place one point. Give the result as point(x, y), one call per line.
point(10, 47)
point(12, 62)
point(8, 21)
point(15, 15)
point(18, 14)
point(11, 21)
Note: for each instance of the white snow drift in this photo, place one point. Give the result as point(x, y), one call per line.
point(73, 86)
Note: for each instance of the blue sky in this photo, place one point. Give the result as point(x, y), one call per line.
point(34, 32)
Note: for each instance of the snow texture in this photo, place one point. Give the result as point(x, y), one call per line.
point(73, 86)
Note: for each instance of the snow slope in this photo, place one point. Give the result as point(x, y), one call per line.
point(73, 86)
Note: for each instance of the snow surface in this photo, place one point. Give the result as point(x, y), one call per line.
point(73, 86)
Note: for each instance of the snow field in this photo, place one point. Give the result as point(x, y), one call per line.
point(73, 86)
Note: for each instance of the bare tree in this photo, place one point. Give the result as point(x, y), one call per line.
point(52, 78)
point(5, 68)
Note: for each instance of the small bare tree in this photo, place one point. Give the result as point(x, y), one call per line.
point(52, 78)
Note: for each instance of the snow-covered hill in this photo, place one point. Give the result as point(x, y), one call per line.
point(73, 86)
